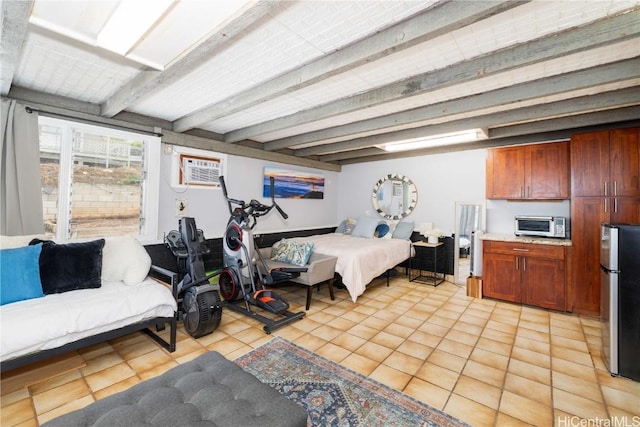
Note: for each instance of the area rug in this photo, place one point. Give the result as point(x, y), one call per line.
point(335, 395)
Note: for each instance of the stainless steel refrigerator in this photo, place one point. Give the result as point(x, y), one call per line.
point(620, 302)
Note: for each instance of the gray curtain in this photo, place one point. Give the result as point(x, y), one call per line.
point(20, 189)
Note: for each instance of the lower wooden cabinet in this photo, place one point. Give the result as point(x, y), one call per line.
point(532, 274)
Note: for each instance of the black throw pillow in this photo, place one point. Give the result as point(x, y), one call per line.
point(70, 266)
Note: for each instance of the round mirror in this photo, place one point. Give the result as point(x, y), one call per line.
point(394, 196)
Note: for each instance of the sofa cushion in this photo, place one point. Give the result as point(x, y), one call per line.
point(9, 242)
point(124, 259)
point(70, 266)
point(20, 274)
point(291, 252)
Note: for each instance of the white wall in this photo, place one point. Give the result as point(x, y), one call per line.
point(244, 177)
point(441, 180)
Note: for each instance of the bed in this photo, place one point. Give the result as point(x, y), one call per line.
point(360, 259)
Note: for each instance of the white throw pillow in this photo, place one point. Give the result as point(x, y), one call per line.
point(124, 259)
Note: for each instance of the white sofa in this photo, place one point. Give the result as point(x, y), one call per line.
point(124, 300)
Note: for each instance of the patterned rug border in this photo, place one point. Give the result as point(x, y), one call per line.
point(395, 396)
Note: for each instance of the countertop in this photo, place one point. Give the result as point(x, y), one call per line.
point(529, 239)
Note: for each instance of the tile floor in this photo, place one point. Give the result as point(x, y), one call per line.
point(489, 363)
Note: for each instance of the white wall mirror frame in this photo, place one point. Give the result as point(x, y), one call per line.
point(394, 196)
point(470, 216)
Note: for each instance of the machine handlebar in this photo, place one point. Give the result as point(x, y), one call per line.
point(254, 208)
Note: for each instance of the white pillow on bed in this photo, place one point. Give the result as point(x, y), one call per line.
point(365, 227)
point(124, 259)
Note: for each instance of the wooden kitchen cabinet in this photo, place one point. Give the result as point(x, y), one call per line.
point(529, 172)
point(532, 274)
point(605, 185)
point(606, 163)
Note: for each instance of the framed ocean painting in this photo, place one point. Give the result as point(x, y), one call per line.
point(293, 184)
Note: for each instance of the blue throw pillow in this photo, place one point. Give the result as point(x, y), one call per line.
point(381, 230)
point(365, 227)
point(403, 230)
point(20, 274)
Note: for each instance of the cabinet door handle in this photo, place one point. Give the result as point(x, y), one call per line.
point(606, 205)
point(521, 250)
point(524, 264)
point(615, 188)
point(517, 268)
point(615, 205)
point(605, 188)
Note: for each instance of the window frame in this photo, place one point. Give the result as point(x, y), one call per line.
point(150, 185)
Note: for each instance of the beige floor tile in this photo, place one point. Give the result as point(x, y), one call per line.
point(533, 335)
point(51, 399)
point(488, 358)
point(425, 338)
point(109, 376)
point(528, 388)
point(494, 346)
point(583, 388)
point(310, 342)
point(497, 335)
point(470, 411)
point(503, 419)
point(629, 402)
point(577, 405)
point(568, 333)
point(478, 391)
point(569, 343)
point(535, 326)
point(17, 412)
point(326, 332)
point(359, 363)
point(454, 347)
point(148, 361)
point(363, 331)
point(535, 358)
point(391, 377)
point(470, 328)
point(484, 373)
point(157, 370)
point(66, 408)
point(387, 340)
point(102, 362)
point(447, 360)
point(226, 345)
point(403, 362)
point(532, 372)
point(415, 349)
point(580, 357)
point(374, 351)
point(333, 352)
point(348, 341)
point(527, 410)
point(116, 388)
point(575, 370)
point(462, 337)
point(437, 375)
point(618, 383)
point(533, 345)
point(426, 392)
point(354, 316)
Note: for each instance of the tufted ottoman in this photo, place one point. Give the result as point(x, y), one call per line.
point(208, 391)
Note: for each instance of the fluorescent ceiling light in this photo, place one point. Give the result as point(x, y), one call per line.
point(129, 22)
point(436, 140)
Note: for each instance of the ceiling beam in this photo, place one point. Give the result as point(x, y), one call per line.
point(13, 30)
point(535, 113)
point(433, 22)
point(499, 98)
point(147, 80)
point(600, 33)
point(539, 126)
point(56, 106)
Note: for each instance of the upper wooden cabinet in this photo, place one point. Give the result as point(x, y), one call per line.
point(606, 163)
point(529, 172)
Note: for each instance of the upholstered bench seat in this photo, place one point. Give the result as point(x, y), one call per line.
point(208, 391)
point(320, 268)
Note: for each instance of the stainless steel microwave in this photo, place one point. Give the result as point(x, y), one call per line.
point(542, 226)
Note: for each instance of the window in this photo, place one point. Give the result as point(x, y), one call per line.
point(98, 181)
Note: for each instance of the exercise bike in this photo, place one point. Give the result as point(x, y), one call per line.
point(245, 273)
point(199, 304)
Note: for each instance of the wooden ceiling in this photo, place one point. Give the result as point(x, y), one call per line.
point(326, 83)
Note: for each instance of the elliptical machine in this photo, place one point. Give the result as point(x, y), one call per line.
point(240, 276)
point(199, 304)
